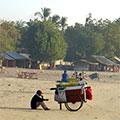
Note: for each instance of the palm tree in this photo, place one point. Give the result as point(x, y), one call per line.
point(63, 23)
point(45, 13)
point(56, 20)
point(20, 24)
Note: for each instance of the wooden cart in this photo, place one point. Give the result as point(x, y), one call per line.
point(73, 97)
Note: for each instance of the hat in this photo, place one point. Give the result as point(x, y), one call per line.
point(39, 92)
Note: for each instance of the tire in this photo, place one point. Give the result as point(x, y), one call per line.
point(74, 106)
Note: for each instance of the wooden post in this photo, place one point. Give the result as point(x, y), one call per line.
point(60, 106)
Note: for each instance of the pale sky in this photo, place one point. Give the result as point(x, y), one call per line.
point(74, 10)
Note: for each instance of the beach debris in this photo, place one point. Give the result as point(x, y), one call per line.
point(9, 84)
point(28, 75)
point(95, 118)
point(94, 76)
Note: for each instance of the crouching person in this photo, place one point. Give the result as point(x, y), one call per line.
point(38, 100)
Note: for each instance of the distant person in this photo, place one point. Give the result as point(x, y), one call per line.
point(75, 75)
point(38, 100)
point(40, 67)
point(53, 66)
point(30, 65)
point(80, 76)
point(65, 76)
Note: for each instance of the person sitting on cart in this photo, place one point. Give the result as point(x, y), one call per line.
point(65, 76)
point(38, 100)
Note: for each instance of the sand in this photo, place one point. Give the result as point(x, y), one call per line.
point(16, 93)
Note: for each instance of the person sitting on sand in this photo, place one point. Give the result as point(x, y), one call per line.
point(38, 100)
point(65, 76)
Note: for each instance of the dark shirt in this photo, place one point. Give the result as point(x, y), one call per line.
point(34, 100)
point(64, 77)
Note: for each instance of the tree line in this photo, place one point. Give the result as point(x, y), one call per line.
point(49, 38)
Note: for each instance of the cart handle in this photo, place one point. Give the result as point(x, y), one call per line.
point(88, 87)
point(52, 88)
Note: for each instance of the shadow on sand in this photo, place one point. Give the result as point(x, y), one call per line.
point(27, 109)
point(14, 108)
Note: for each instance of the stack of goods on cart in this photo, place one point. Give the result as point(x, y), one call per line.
point(78, 83)
point(73, 80)
point(68, 84)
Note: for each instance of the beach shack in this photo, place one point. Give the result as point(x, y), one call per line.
point(29, 61)
point(19, 59)
point(105, 64)
point(7, 61)
point(84, 65)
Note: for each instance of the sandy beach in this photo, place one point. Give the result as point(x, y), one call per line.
point(16, 93)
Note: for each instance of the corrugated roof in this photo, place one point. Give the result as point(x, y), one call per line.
point(6, 56)
point(104, 60)
point(116, 58)
point(26, 56)
point(15, 55)
point(85, 61)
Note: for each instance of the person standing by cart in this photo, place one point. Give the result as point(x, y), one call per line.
point(65, 76)
point(80, 76)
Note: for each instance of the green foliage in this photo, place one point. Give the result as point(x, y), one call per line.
point(94, 38)
point(56, 20)
point(44, 38)
point(44, 41)
point(63, 23)
point(9, 36)
point(44, 14)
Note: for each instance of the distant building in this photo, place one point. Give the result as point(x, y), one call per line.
point(13, 59)
point(106, 64)
point(7, 60)
point(84, 65)
point(96, 63)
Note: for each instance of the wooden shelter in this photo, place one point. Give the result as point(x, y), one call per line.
point(8, 61)
point(106, 64)
point(13, 59)
point(84, 65)
point(20, 60)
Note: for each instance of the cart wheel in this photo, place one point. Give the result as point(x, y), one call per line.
point(74, 106)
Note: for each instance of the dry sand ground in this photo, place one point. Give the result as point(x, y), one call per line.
point(16, 93)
